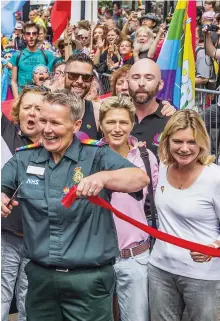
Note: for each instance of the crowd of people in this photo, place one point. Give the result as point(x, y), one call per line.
point(138, 153)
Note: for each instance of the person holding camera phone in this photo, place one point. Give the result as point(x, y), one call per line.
point(210, 48)
point(131, 25)
point(213, 52)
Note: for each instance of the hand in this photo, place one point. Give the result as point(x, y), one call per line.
point(133, 16)
point(201, 258)
point(123, 13)
point(205, 30)
point(111, 47)
point(100, 43)
point(91, 185)
point(68, 33)
point(5, 211)
point(167, 110)
point(92, 55)
point(162, 29)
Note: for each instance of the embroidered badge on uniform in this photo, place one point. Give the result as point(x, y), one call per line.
point(78, 175)
point(66, 190)
point(32, 181)
point(162, 189)
point(157, 139)
point(88, 126)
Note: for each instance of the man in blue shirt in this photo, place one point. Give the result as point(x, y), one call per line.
point(23, 62)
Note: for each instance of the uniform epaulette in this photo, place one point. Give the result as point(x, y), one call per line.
point(36, 145)
point(89, 141)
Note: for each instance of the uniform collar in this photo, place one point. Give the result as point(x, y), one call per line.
point(72, 152)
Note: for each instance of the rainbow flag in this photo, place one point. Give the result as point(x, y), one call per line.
point(176, 60)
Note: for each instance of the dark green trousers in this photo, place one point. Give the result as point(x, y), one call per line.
point(80, 295)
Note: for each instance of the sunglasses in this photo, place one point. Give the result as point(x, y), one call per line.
point(36, 72)
point(34, 33)
point(73, 76)
point(81, 37)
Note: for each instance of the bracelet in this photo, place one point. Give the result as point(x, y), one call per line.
point(209, 258)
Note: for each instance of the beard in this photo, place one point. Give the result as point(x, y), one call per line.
point(144, 99)
point(71, 87)
point(140, 47)
point(122, 94)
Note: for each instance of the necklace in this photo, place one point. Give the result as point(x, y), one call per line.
point(182, 182)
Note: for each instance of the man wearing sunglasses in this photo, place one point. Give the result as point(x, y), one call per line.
point(84, 39)
point(23, 62)
point(78, 78)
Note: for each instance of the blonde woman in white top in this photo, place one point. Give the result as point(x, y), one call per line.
point(188, 205)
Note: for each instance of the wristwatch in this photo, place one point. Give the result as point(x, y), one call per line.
point(216, 246)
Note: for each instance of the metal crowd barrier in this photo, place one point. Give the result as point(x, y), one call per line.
point(208, 105)
point(104, 82)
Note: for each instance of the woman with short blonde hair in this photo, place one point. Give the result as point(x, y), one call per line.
point(119, 103)
point(117, 117)
point(188, 206)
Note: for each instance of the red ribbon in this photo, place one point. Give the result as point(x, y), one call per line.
point(70, 198)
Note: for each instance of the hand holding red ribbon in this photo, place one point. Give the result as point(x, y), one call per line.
point(70, 198)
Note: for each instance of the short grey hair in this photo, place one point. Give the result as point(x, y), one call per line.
point(65, 97)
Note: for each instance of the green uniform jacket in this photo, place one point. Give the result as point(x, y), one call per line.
point(81, 236)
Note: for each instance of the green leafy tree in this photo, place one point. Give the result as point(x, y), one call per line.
point(105, 3)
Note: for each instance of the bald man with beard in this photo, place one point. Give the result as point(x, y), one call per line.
point(144, 81)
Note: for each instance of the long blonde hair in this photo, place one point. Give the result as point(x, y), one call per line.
point(184, 119)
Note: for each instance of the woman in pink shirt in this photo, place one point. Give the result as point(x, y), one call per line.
point(117, 118)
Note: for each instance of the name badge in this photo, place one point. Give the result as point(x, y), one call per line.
point(35, 170)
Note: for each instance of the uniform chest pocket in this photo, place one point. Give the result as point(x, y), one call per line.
point(33, 197)
point(31, 193)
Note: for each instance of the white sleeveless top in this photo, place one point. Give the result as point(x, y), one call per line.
point(192, 214)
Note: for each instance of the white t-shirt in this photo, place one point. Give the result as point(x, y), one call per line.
point(192, 214)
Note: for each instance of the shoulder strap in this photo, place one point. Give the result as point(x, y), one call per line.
point(18, 58)
point(45, 56)
point(145, 158)
point(198, 49)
